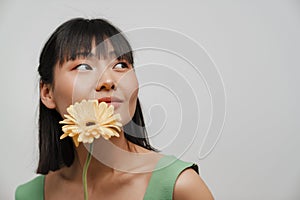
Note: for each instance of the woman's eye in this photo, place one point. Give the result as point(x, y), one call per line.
point(121, 65)
point(83, 67)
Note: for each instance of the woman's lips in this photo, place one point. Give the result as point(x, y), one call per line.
point(116, 102)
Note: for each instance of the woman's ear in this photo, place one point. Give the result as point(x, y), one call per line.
point(46, 94)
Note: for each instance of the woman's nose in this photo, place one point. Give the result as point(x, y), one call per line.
point(105, 83)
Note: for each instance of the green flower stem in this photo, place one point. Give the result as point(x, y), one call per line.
point(85, 168)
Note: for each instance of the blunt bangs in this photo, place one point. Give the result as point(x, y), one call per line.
point(78, 39)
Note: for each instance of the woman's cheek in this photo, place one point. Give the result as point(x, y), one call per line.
point(68, 89)
point(63, 98)
point(131, 88)
point(84, 87)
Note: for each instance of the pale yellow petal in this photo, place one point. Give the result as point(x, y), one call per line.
point(108, 131)
point(72, 134)
point(106, 136)
point(90, 140)
point(108, 113)
point(75, 140)
point(112, 126)
point(111, 119)
point(101, 110)
point(80, 138)
point(63, 136)
point(70, 118)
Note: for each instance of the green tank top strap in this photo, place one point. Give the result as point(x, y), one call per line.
point(162, 181)
point(33, 190)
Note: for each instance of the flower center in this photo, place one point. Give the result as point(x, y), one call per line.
point(90, 123)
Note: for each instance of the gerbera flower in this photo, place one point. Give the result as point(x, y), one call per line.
point(88, 120)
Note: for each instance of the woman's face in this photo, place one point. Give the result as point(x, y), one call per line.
point(93, 78)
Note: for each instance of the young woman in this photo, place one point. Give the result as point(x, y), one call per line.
point(91, 59)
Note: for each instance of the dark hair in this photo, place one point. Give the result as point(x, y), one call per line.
point(64, 44)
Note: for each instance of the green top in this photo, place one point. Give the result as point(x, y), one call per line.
point(160, 186)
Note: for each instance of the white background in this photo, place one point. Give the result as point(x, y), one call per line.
point(255, 45)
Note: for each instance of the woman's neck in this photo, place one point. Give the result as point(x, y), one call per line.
point(110, 158)
point(104, 157)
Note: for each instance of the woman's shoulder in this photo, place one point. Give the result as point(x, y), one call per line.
point(180, 180)
point(32, 189)
point(164, 176)
point(189, 185)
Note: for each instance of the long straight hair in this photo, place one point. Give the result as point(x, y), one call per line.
point(64, 44)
